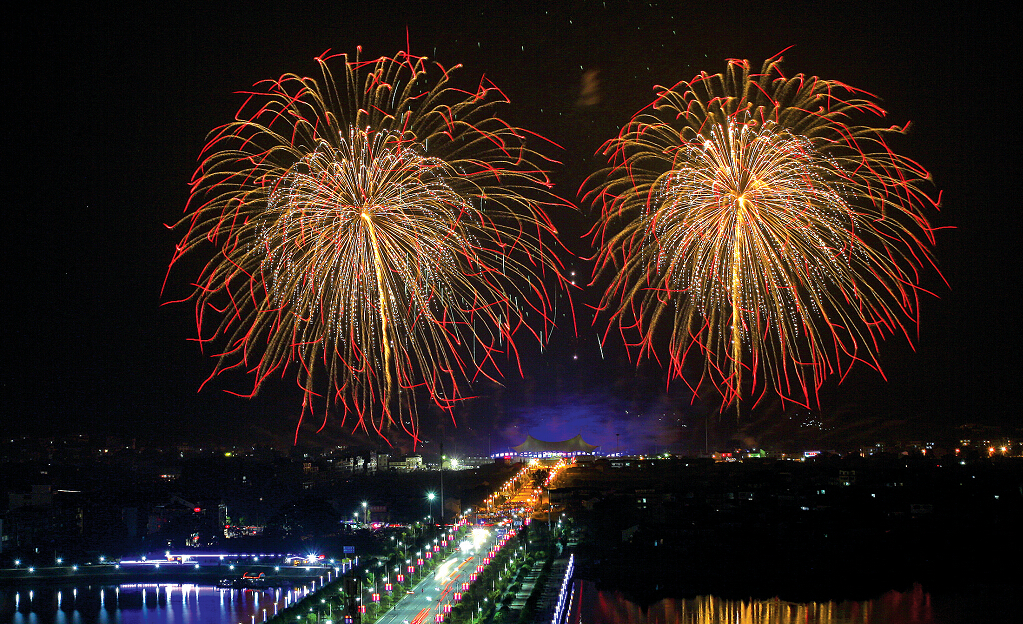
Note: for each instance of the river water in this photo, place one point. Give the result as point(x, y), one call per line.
point(167, 603)
point(914, 606)
point(138, 603)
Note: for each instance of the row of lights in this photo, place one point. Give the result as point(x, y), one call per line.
point(508, 485)
point(59, 561)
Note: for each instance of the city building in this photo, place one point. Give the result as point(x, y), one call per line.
point(541, 448)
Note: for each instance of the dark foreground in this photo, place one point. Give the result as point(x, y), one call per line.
point(828, 530)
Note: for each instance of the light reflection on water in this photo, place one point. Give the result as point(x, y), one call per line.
point(590, 606)
point(138, 603)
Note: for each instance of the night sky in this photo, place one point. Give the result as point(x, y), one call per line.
point(107, 112)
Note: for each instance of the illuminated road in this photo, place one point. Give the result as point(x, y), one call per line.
point(437, 589)
point(429, 597)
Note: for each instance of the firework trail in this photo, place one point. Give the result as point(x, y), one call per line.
point(379, 235)
point(745, 219)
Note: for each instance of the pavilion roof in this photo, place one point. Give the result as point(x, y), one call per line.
point(572, 445)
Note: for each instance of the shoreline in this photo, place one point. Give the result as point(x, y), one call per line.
point(113, 576)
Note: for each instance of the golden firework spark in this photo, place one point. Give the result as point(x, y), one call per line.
point(743, 216)
point(385, 232)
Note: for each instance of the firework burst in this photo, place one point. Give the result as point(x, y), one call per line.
point(747, 220)
point(382, 235)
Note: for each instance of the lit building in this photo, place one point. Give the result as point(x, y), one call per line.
point(564, 448)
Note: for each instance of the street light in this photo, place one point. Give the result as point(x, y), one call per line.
point(431, 496)
point(365, 509)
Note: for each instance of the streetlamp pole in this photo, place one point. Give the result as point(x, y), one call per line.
point(442, 483)
point(549, 509)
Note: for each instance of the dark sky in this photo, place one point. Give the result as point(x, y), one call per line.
point(107, 111)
